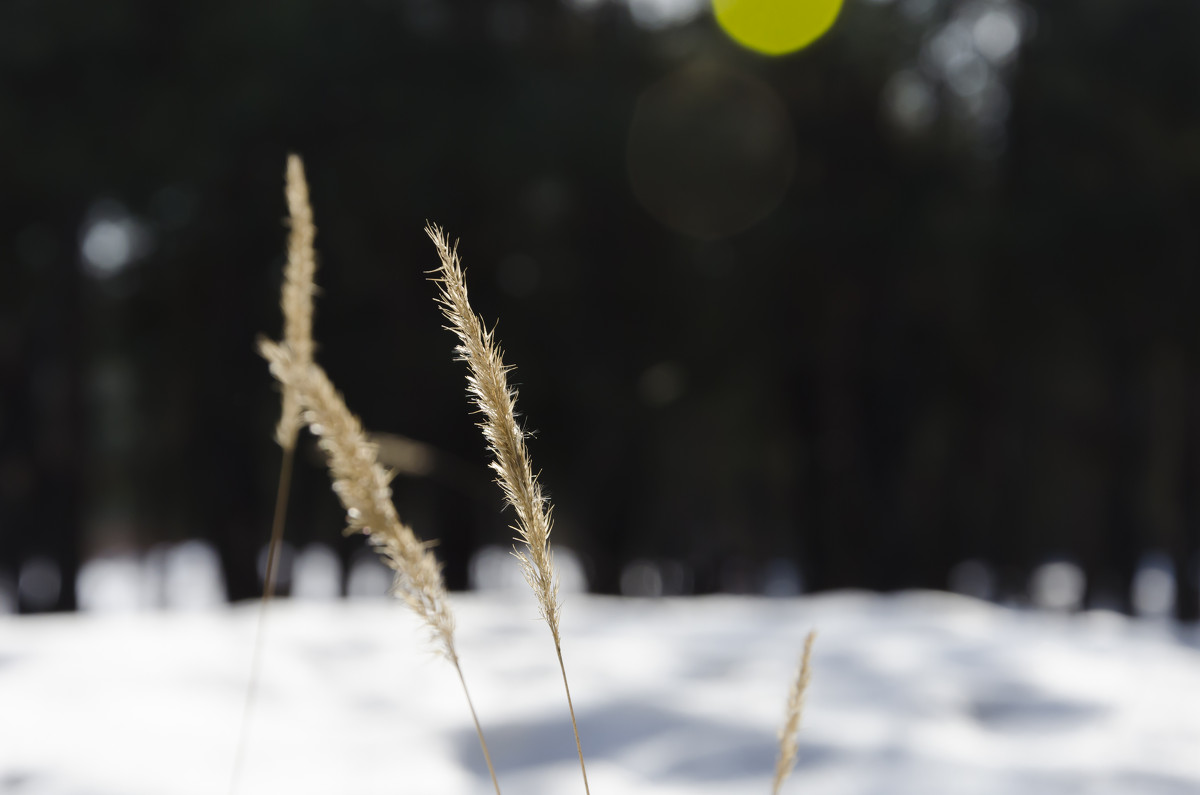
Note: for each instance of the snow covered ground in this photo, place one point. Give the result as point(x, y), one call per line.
point(921, 693)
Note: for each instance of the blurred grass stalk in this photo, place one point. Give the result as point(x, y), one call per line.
point(296, 300)
point(789, 744)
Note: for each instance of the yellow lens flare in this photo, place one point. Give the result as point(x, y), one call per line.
point(775, 27)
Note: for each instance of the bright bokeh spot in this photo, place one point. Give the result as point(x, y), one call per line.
point(776, 27)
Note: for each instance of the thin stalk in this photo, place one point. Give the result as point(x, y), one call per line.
point(478, 729)
point(571, 707)
point(273, 550)
point(276, 544)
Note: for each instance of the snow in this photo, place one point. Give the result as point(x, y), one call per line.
point(922, 693)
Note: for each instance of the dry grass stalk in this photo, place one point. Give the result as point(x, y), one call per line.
point(363, 487)
point(296, 299)
point(788, 742)
point(298, 291)
point(487, 384)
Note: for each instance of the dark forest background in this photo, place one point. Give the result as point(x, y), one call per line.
point(923, 293)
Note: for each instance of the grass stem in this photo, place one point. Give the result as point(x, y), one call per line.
point(273, 553)
point(478, 729)
point(574, 727)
